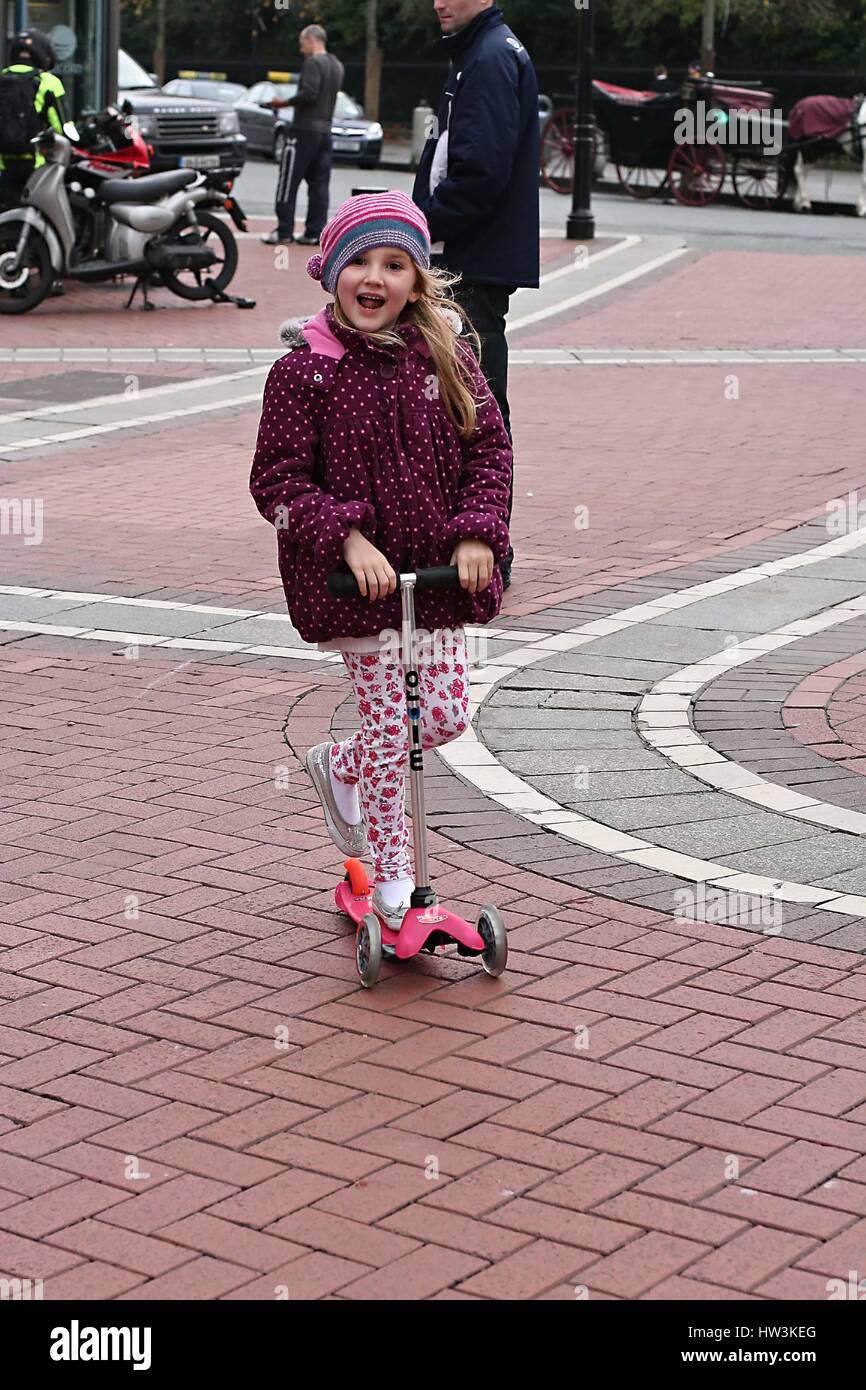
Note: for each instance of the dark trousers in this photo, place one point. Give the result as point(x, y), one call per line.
point(307, 155)
point(487, 306)
point(13, 177)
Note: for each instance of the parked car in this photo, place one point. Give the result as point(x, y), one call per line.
point(184, 132)
point(355, 138)
point(210, 87)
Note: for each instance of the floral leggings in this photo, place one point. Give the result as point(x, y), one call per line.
point(376, 756)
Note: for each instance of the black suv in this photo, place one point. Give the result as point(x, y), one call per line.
point(183, 132)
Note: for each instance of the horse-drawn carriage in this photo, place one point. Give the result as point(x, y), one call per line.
point(686, 141)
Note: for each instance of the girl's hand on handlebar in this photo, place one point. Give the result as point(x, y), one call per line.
point(375, 576)
point(474, 561)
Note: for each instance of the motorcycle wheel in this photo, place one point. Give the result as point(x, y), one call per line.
point(21, 292)
point(203, 284)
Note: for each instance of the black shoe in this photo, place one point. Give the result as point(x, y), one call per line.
point(274, 239)
point(505, 571)
point(307, 240)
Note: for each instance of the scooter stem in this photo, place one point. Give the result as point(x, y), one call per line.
point(423, 896)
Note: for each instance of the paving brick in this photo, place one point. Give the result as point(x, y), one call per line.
point(311, 1276)
point(633, 1270)
point(485, 1188)
point(833, 1094)
point(674, 1218)
point(50, 1211)
point(210, 1161)
point(141, 1254)
point(56, 1130)
point(158, 1125)
point(458, 1232)
point(225, 1240)
point(92, 1280)
point(451, 1115)
point(751, 1258)
point(418, 1275)
point(788, 1214)
point(275, 1197)
point(28, 1178)
point(148, 1212)
point(256, 1122)
point(540, 1219)
point(352, 1240)
point(202, 1278)
point(590, 1182)
point(528, 1271)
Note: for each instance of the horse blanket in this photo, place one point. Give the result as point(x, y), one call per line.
point(821, 117)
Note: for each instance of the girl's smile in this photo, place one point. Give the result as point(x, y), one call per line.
point(374, 288)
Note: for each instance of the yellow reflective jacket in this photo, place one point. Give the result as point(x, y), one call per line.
point(49, 103)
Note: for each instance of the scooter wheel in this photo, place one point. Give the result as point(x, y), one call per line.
point(491, 929)
point(356, 877)
point(368, 949)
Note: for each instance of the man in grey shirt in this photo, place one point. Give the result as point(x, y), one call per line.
point(307, 151)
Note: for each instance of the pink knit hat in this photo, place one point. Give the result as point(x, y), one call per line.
point(364, 222)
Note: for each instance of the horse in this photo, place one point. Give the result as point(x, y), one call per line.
point(818, 126)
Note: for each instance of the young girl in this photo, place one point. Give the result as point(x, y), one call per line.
point(381, 445)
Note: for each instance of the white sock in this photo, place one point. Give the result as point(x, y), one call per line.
point(396, 893)
point(346, 797)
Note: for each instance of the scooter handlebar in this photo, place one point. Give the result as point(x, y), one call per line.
point(342, 585)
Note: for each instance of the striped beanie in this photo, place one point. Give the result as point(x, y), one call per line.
point(364, 222)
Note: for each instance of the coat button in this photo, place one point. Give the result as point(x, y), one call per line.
point(387, 370)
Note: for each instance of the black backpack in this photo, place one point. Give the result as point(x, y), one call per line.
point(19, 119)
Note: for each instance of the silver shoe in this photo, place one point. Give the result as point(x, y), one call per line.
point(391, 916)
point(351, 839)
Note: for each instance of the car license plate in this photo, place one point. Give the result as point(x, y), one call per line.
point(348, 145)
point(199, 161)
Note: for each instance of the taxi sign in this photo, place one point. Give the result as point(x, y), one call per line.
point(214, 76)
point(280, 77)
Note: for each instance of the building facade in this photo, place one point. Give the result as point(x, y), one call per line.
point(85, 34)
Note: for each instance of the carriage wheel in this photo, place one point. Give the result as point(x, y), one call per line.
point(557, 151)
point(696, 174)
point(641, 181)
point(757, 181)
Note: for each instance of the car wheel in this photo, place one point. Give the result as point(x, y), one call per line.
point(368, 163)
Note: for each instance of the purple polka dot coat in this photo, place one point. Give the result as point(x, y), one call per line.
point(355, 435)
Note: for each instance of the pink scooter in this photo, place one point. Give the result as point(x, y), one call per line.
point(426, 925)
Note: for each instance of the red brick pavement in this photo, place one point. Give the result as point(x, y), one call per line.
point(167, 913)
point(726, 299)
point(196, 1098)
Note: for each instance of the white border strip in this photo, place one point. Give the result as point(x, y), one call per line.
point(468, 757)
point(663, 723)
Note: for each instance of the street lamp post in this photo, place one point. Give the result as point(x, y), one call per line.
point(581, 223)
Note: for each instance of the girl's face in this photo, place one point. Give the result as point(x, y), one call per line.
point(375, 288)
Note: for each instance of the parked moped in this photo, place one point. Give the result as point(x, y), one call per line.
point(151, 227)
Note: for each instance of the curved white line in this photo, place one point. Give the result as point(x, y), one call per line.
point(468, 757)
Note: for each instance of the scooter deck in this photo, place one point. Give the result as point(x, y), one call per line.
point(419, 924)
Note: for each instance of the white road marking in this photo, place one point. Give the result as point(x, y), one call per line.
point(625, 244)
point(476, 764)
point(145, 393)
point(604, 288)
point(663, 722)
point(86, 431)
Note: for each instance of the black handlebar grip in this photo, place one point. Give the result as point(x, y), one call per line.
point(437, 577)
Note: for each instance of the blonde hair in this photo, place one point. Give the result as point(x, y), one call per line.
point(448, 346)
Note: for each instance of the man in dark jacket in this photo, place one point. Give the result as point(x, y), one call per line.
point(477, 179)
point(307, 151)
